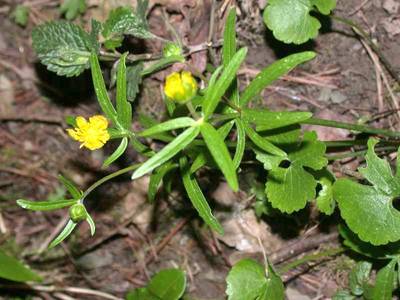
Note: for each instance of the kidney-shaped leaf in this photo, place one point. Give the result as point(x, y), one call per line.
point(368, 210)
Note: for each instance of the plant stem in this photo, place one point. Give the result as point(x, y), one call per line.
point(350, 126)
point(107, 178)
point(358, 153)
point(309, 258)
point(192, 111)
point(371, 43)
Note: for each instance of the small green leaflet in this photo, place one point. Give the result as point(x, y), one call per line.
point(21, 15)
point(241, 143)
point(290, 20)
point(92, 225)
point(124, 21)
point(45, 205)
point(117, 153)
point(124, 108)
point(197, 198)
point(63, 234)
point(267, 120)
point(368, 209)
point(249, 280)
point(181, 122)
point(384, 282)
point(214, 94)
point(63, 47)
point(220, 153)
point(161, 64)
point(169, 151)
point(272, 73)
point(168, 284)
point(72, 8)
point(325, 201)
point(359, 277)
point(12, 269)
point(289, 189)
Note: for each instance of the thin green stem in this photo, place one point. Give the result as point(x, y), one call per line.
point(350, 126)
point(225, 117)
point(358, 153)
point(107, 178)
point(309, 258)
point(192, 111)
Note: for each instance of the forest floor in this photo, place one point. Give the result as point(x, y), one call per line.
point(134, 238)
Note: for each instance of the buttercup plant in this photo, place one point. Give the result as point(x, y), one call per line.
point(200, 138)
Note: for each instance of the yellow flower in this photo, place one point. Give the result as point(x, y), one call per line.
point(93, 134)
point(180, 87)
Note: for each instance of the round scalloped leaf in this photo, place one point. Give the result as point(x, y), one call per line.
point(368, 212)
point(290, 20)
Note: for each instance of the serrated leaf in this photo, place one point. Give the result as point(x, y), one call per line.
point(214, 95)
point(267, 120)
point(72, 8)
point(101, 91)
point(21, 15)
point(168, 284)
point(359, 276)
point(156, 178)
point(63, 234)
point(220, 153)
point(124, 108)
point(290, 20)
point(117, 153)
point(169, 151)
point(63, 47)
point(272, 73)
point(173, 124)
point(46, 205)
point(248, 280)
point(70, 186)
point(12, 269)
point(197, 198)
point(289, 189)
point(134, 79)
point(384, 282)
point(368, 210)
point(124, 21)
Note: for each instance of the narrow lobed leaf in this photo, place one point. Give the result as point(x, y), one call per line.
point(63, 234)
point(124, 108)
point(45, 205)
point(169, 151)
point(70, 186)
point(117, 153)
point(168, 125)
point(220, 153)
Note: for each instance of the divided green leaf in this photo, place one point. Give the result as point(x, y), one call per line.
point(172, 124)
point(72, 8)
point(368, 209)
point(117, 153)
point(124, 108)
point(134, 79)
point(45, 205)
point(290, 20)
point(63, 234)
point(12, 269)
point(64, 47)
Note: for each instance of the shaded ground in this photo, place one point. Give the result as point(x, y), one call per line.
point(135, 239)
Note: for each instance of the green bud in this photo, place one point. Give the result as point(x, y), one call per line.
point(77, 213)
point(171, 49)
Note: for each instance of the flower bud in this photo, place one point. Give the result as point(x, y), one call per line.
point(77, 213)
point(180, 87)
point(172, 49)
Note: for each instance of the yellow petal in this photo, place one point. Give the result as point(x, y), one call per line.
point(98, 122)
point(81, 122)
